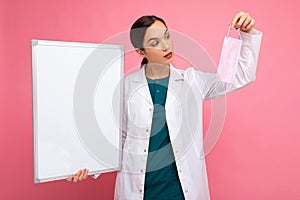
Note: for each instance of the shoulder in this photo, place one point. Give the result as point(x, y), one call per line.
point(181, 71)
point(134, 74)
point(186, 73)
point(132, 79)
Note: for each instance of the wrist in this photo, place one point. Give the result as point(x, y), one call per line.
point(250, 31)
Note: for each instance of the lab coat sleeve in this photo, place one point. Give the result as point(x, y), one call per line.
point(246, 70)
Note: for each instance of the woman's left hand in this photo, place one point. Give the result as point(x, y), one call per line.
point(243, 21)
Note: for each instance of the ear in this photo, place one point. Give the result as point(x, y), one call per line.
point(140, 52)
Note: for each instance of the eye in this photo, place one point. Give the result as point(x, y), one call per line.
point(167, 36)
point(155, 43)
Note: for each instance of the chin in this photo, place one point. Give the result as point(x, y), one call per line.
point(168, 62)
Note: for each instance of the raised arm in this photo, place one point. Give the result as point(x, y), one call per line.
point(247, 62)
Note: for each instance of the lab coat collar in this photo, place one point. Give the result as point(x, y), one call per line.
point(175, 82)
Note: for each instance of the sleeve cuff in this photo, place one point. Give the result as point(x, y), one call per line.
point(255, 35)
point(95, 176)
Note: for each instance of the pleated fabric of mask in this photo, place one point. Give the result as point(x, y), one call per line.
point(229, 57)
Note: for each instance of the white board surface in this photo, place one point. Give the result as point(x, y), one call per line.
point(77, 97)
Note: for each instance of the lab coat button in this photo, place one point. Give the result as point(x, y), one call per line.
point(186, 190)
point(145, 150)
point(147, 130)
point(142, 170)
point(150, 109)
point(141, 190)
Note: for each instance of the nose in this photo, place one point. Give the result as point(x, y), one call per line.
point(166, 46)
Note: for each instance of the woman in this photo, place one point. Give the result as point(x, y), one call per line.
point(161, 141)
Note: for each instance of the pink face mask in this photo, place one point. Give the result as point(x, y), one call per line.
point(229, 58)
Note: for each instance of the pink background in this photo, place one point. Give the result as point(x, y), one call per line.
point(257, 155)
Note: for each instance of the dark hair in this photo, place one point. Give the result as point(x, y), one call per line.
point(138, 31)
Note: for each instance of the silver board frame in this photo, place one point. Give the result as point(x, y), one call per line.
point(77, 96)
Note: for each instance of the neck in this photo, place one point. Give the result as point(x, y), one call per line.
point(155, 71)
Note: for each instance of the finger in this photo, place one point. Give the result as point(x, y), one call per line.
point(86, 174)
point(76, 177)
point(250, 25)
point(246, 22)
point(241, 21)
point(236, 19)
point(82, 174)
point(79, 172)
point(69, 179)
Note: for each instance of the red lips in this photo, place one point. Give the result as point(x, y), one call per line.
point(169, 55)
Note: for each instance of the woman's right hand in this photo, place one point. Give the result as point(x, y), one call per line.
point(79, 176)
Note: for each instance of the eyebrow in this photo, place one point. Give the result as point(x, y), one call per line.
point(158, 38)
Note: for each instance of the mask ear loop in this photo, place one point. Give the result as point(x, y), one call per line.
point(229, 28)
point(228, 31)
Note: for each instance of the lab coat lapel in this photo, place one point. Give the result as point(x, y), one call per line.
point(140, 85)
point(175, 85)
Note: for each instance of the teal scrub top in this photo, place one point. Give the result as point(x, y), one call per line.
point(161, 179)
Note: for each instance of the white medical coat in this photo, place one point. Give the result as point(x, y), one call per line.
point(187, 90)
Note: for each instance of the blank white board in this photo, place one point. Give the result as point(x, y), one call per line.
point(77, 104)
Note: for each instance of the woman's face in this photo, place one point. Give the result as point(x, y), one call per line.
point(158, 45)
